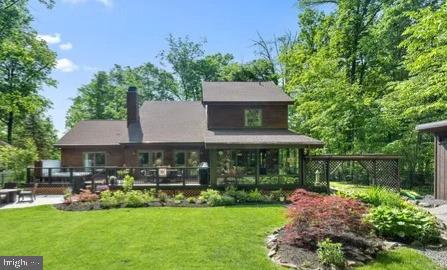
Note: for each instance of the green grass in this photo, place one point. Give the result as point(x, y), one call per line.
point(158, 238)
point(401, 259)
point(144, 238)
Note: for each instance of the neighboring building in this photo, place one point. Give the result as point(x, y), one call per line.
point(239, 128)
point(439, 129)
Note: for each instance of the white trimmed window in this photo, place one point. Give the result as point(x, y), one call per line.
point(150, 158)
point(94, 159)
point(253, 118)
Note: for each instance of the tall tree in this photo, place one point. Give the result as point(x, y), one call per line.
point(25, 65)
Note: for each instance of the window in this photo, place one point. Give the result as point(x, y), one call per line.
point(253, 118)
point(94, 159)
point(186, 158)
point(150, 159)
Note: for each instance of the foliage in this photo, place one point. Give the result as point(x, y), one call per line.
point(162, 196)
point(18, 159)
point(240, 196)
point(108, 200)
point(404, 224)
point(220, 200)
point(85, 195)
point(255, 196)
point(314, 217)
point(206, 194)
point(377, 196)
point(330, 253)
point(179, 197)
point(137, 198)
point(128, 182)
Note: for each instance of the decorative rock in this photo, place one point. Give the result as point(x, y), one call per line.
point(388, 245)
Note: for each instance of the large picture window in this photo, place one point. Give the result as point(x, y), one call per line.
point(94, 159)
point(150, 158)
point(253, 118)
point(186, 158)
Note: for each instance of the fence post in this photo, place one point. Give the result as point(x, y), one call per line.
point(49, 175)
point(157, 179)
point(301, 166)
point(71, 176)
point(183, 176)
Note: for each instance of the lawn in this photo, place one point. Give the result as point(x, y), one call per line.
point(157, 238)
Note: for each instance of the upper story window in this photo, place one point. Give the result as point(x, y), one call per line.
point(150, 158)
point(253, 118)
point(94, 159)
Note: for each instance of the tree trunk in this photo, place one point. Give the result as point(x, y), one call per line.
point(9, 125)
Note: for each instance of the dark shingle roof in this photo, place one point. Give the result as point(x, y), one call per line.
point(275, 137)
point(243, 92)
point(176, 122)
point(96, 132)
point(172, 121)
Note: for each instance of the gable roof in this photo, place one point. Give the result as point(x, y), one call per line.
point(96, 132)
point(243, 92)
point(172, 121)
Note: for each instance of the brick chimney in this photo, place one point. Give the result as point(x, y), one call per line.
point(133, 114)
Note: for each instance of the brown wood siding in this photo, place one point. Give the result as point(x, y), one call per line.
point(127, 155)
point(232, 116)
point(73, 156)
point(441, 170)
point(131, 152)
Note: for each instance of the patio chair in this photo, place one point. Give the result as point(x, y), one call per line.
point(28, 192)
point(10, 185)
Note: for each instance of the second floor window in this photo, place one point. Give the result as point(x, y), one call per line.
point(253, 118)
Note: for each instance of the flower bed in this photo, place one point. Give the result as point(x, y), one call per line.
point(87, 200)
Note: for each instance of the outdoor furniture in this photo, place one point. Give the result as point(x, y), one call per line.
point(10, 185)
point(28, 192)
point(11, 194)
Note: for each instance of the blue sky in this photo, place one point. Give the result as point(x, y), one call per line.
point(93, 35)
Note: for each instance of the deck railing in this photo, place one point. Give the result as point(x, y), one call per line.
point(114, 176)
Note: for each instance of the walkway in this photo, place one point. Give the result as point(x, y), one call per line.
point(40, 200)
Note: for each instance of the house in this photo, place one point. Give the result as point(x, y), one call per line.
point(439, 129)
point(240, 129)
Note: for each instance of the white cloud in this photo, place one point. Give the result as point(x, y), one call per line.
point(66, 65)
point(66, 46)
point(50, 39)
point(106, 3)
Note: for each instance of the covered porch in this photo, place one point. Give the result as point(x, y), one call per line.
point(258, 158)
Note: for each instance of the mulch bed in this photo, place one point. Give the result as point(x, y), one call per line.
point(360, 251)
point(88, 206)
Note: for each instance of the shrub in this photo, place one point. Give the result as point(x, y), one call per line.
point(238, 195)
point(404, 224)
point(137, 198)
point(120, 197)
point(84, 196)
point(162, 197)
point(277, 195)
point(206, 195)
point(255, 196)
point(377, 196)
point(330, 253)
point(179, 197)
point(221, 200)
point(108, 200)
point(314, 217)
point(192, 199)
point(128, 182)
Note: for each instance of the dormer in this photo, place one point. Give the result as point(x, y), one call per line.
point(245, 105)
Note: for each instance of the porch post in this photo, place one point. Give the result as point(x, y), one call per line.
point(301, 165)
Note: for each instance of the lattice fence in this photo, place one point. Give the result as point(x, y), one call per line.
point(365, 170)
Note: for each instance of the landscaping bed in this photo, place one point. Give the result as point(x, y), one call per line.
point(350, 229)
point(128, 198)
